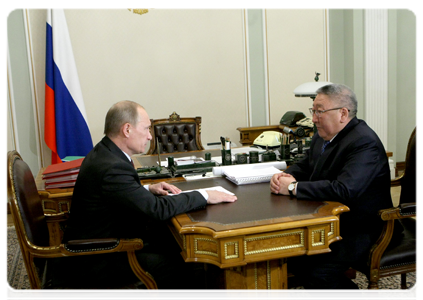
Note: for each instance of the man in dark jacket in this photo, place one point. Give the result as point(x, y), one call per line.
point(346, 163)
point(109, 201)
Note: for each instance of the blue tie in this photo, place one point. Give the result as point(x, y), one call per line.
point(325, 143)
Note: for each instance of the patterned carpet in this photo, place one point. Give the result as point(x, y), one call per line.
point(18, 278)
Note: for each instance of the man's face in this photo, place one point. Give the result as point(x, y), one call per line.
point(139, 134)
point(329, 123)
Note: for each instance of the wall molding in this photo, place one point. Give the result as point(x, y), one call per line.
point(376, 71)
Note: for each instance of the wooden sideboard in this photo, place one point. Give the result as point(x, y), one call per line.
point(249, 134)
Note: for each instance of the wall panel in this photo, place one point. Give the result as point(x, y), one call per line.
point(296, 50)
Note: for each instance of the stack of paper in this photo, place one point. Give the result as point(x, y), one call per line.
point(243, 176)
point(62, 175)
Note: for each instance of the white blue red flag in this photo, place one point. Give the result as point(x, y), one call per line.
point(66, 130)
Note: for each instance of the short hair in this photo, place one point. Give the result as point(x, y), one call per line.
point(120, 113)
point(341, 94)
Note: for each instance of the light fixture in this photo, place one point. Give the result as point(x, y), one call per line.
point(309, 89)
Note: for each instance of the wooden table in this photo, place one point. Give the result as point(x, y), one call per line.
point(250, 239)
point(247, 242)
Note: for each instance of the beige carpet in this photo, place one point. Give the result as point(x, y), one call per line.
point(18, 278)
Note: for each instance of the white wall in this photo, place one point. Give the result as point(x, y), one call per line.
point(193, 62)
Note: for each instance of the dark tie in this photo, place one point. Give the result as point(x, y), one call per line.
point(132, 162)
point(325, 143)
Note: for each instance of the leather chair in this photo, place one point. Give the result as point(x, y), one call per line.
point(175, 134)
point(33, 234)
point(395, 254)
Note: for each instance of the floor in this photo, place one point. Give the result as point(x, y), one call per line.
point(395, 192)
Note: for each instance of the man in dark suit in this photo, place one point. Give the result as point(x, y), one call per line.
point(109, 201)
point(346, 163)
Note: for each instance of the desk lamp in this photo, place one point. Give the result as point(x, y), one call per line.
point(309, 89)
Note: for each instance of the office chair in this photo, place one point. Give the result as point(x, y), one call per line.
point(392, 255)
point(33, 234)
point(175, 134)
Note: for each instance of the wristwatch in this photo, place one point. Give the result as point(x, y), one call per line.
point(291, 188)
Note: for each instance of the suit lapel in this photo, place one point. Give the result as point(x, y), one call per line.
point(321, 158)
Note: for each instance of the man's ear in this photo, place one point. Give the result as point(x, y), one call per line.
point(126, 128)
point(345, 115)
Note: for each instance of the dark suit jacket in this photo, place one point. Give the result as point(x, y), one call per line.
point(353, 170)
point(109, 200)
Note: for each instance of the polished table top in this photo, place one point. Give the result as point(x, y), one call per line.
point(255, 206)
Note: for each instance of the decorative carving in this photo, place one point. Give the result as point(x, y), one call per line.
point(301, 244)
point(322, 237)
point(196, 251)
point(236, 246)
point(332, 229)
point(174, 117)
point(139, 11)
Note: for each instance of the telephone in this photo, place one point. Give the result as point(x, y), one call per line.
point(269, 138)
point(291, 117)
point(306, 122)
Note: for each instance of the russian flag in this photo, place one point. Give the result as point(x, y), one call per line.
point(66, 130)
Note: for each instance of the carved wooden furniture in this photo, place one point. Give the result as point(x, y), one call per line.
point(249, 242)
point(33, 232)
point(249, 134)
point(250, 239)
point(175, 134)
point(393, 255)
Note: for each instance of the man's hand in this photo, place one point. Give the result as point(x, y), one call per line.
point(279, 183)
point(163, 189)
point(218, 197)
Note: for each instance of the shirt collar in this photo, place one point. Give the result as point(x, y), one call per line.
point(126, 154)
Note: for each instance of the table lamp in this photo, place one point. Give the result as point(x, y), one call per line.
point(309, 89)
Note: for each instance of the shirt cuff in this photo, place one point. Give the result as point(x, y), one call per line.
point(147, 187)
point(204, 193)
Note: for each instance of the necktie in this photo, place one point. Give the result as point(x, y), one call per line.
point(325, 143)
point(132, 162)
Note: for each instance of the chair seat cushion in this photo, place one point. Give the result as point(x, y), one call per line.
point(129, 291)
point(402, 250)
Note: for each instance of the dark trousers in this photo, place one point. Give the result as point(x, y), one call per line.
point(323, 275)
point(160, 257)
point(175, 278)
point(319, 272)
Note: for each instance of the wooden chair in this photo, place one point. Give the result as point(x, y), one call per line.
point(392, 255)
point(33, 234)
point(175, 134)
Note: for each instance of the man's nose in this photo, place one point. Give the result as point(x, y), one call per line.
point(315, 119)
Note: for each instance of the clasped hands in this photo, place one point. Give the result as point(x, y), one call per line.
point(279, 183)
point(164, 188)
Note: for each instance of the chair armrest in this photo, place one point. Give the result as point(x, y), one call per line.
point(106, 245)
point(59, 217)
point(91, 245)
point(397, 181)
point(405, 210)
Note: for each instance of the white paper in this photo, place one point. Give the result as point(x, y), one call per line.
point(214, 188)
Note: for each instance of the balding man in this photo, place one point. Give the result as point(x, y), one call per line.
point(346, 163)
point(109, 201)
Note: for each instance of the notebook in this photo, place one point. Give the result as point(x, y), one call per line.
point(242, 176)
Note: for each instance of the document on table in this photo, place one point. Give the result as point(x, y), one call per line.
point(214, 188)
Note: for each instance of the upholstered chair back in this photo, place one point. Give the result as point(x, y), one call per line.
point(408, 181)
point(175, 134)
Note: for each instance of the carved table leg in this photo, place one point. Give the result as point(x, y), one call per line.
point(261, 275)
